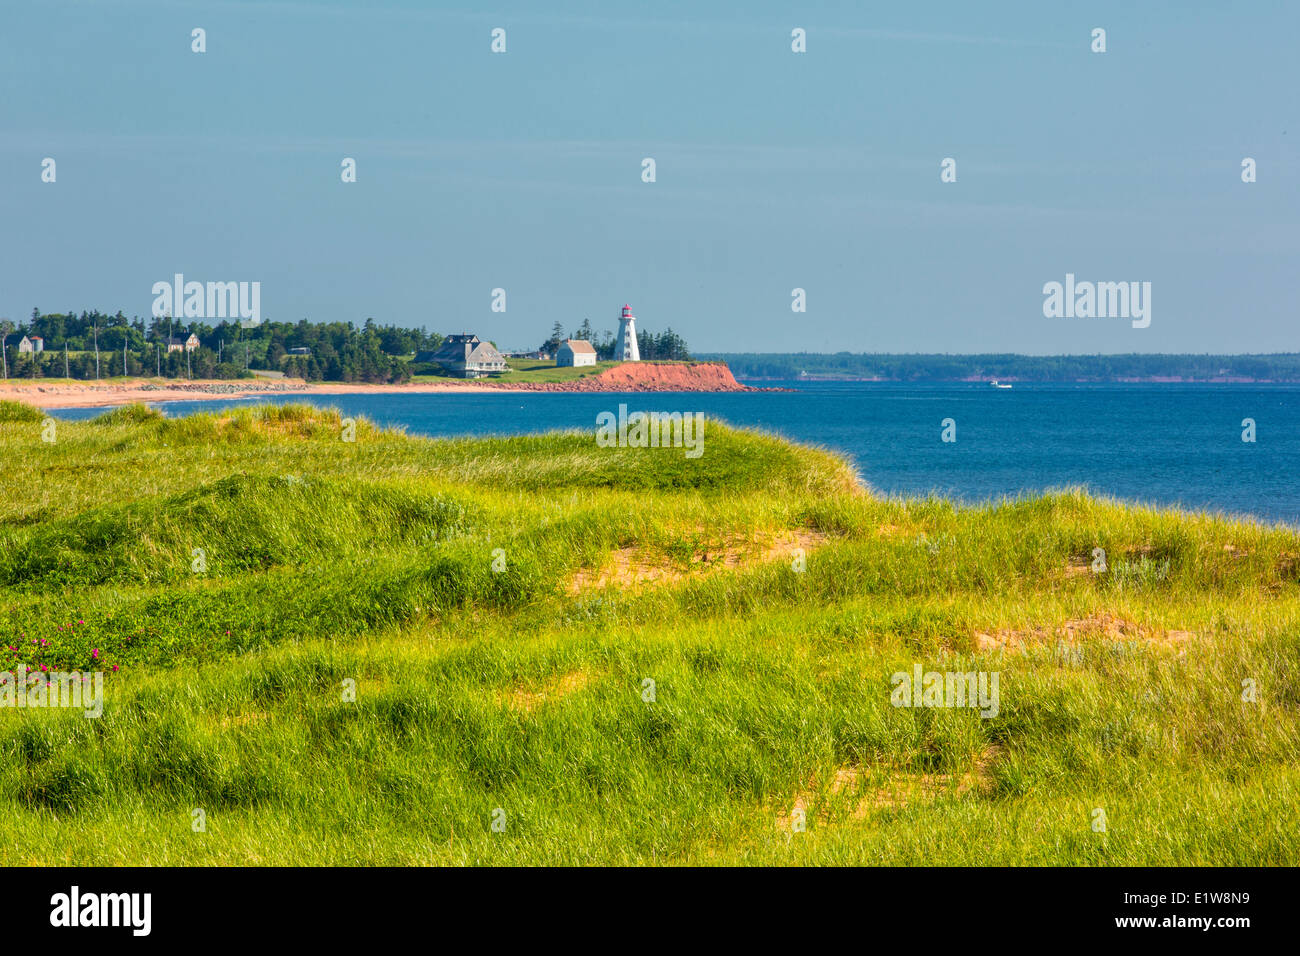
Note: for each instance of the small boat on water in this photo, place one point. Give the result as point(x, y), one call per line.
point(996, 384)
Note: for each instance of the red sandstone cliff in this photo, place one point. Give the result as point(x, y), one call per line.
point(645, 377)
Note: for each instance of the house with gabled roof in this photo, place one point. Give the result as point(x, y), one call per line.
point(469, 356)
point(575, 353)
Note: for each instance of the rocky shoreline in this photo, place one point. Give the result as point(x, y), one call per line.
point(226, 388)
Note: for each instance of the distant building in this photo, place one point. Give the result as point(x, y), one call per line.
point(182, 343)
point(575, 353)
point(625, 347)
point(469, 356)
point(33, 343)
point(300, 350)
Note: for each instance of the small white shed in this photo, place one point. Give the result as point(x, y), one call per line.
point(574, 353)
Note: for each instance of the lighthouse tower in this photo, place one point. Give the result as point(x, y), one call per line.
point(625, 347)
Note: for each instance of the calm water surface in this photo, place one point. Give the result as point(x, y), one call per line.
point(1160, 444)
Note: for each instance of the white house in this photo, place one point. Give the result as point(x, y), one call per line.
point(31, 343)
point(467, 355)
point(575, 353)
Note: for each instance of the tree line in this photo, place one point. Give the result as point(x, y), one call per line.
point(93, 345)
point(666, 346)
point(96, 344)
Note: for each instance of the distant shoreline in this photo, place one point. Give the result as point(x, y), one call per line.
point(1276, 368)
point(978, 379)
point(64, 394)
point(640, 377)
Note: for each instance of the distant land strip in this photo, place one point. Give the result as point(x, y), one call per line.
point(626, 377)
point(1277, 367)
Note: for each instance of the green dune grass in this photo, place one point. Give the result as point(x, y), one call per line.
point(534, 650)
point(533, 370)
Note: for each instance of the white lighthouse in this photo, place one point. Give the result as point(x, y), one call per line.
point(625, 347)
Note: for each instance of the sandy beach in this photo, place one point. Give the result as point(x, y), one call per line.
point(94, 395)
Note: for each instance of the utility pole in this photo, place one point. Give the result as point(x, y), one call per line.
point(66, 374)
point(95, 328)
point(157, 354)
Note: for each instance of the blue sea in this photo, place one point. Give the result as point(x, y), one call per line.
point(1155, 444)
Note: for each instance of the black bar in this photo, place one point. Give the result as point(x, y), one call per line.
point(939, 904)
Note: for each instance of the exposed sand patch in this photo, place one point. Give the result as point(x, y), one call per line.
point(628, 567)
point(900, 788)
point(1102, 626)
point(1078, 567)
point(529, 700)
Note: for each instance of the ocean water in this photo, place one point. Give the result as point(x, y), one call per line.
point(1155, 444)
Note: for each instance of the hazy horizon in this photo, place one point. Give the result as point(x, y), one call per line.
point(774, 170)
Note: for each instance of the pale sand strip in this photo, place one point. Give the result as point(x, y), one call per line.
point(95, 396)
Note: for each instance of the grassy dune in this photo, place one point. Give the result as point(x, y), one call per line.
point(619, 655)
point(534, 370)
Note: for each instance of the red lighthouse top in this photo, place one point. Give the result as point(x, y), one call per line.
point(627, 311)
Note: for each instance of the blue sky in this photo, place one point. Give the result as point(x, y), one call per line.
point(775, 170)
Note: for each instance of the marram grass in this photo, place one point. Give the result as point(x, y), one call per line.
point(618, 656)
